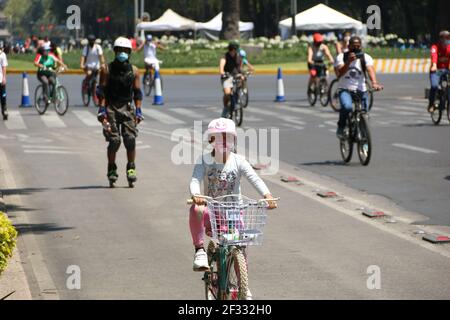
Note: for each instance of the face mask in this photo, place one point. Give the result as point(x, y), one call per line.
point(357, 50)
point(122, 57)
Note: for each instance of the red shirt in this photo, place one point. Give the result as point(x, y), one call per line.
point(441, 55)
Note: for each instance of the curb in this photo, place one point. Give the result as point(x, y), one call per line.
point(172, 72)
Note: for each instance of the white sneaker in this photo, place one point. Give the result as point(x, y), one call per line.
point(201, 261)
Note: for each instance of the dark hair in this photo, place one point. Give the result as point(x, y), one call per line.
point(354, 39)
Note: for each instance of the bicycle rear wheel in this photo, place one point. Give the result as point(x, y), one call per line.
point(148, 84)
point(62, 100)
point(323, 92)
point(39, 100)
point(237, 277)
point(312, 95)
point(346, 144)
point(85, 94)
point(211, 277)
point(364, 141)
point(436, 115)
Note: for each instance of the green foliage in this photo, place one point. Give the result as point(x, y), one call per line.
point(8, 236)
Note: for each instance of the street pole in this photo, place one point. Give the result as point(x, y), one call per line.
point(136, 12)
point(293, 13)
point(142, 16)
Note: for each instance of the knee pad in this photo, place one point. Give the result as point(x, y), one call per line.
point(114, 144)
point(130, 142)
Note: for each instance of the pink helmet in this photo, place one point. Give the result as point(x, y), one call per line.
point(221, 125)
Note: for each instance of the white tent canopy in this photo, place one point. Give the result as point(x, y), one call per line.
point(215, 24)
point(169, 21)
point(321, 17)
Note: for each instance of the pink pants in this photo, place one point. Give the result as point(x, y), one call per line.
point(197, 223)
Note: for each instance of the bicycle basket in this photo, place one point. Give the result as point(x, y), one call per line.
point(239, 221)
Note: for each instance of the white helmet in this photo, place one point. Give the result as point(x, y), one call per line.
point(122, 42)
point(221, 125)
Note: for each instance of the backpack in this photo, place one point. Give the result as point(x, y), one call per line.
point(363, 62)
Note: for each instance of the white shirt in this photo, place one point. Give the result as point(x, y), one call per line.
point(150, 50)
point(223, 179)
point(93, 56)
point(3, 63)
point(354, 79)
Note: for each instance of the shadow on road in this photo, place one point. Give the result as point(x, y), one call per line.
point(39, 228)
point(447, 178)
point(325, 163)
point(92, 187)
point(22, 191)
point(414, 125)
point(15, 208)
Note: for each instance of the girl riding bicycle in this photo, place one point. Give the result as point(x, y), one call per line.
point(221, 171)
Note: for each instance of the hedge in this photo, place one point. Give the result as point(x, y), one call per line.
point(8, 237)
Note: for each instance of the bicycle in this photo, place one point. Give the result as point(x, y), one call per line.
point(88, 89)
point(148, 79)
point(441, 101)
point(319, 89)
point(236, 111)
point(236, 223)
point(357, 131)
point(59, 97)
point(333, 95)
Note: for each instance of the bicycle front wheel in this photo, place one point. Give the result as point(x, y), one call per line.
point(436, 115)
point(148, 84)
point(323, 91)
point(364, 141)
point(211, 277)
point(39, 100)
point(346, 144)
point(62, 101)
point(312, 95)
point(85, 95)
point(237, 277)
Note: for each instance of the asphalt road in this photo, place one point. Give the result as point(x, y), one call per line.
point(136, 244)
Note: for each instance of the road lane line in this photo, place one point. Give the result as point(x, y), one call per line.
point(413, 148)
point(15, 121)
point(87, 118)
point(162, 117)
point(187, 113)
point(52, 120)
point(50, 151)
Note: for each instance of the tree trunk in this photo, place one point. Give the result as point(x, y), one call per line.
point(230, 19)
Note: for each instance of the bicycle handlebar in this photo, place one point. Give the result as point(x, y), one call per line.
point(191, 201)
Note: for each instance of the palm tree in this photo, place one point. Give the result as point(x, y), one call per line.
point(230, 19)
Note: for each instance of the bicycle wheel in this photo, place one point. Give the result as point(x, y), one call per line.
point(448, 110)
point(436, 115)
point(85, 94)
point(39, 100)
point(61, 101)
point(312, 95)
point(370, 95)
point(94, 94)
point(211, 277)
point(333, 95)
point(346, 144)
point(323, 92)
point(237, 277)
point(364, 141)
point(148, 84)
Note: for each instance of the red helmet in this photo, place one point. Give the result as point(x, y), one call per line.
point(317, 37)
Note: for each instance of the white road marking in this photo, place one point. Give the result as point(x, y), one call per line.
point(87, 118)
point(283, 117)
point(46, 147)
point(162, 117)
point(187, 112)
point(15, 121)
point(143, 147)
point(52, 120)
point(413, 148)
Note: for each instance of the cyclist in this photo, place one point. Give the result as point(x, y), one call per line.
point(119, 85)
point(316, 55)
point(342, 46)
point(440, 62)
point(230, 66)
point(221, 171)
point(352, 67)
point(3, 65)
point(149, 47)
point(245, 61)
point(92, 58)
point(46, 62)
